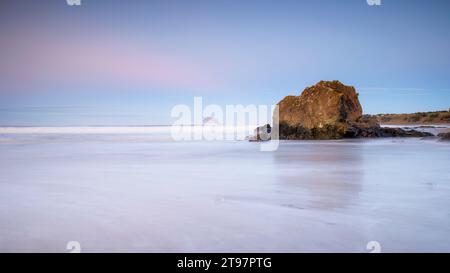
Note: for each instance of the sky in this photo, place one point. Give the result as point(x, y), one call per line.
point(112, 62)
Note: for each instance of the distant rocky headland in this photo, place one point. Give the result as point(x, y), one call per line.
point(331, 110)
point(435, 118)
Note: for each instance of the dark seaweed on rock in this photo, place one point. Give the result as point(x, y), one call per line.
point(445, 136)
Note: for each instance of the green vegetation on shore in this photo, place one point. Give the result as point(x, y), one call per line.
point(436, 117)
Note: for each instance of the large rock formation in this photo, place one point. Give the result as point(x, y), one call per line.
point(322, 111)
point(326, 103)
point(329, 110)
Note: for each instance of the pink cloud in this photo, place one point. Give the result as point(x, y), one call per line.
point(32, 61)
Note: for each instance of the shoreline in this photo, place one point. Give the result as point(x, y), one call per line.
point(414, 124)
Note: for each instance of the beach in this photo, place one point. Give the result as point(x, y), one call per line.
point(123, 190)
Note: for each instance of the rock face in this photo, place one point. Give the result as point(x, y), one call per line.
point(326, 103)
point(355, 132)
point(329, 110)
point(434, 117)
point(322, 111)
point(445, 136)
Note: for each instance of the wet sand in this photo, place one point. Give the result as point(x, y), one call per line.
point(144, 193)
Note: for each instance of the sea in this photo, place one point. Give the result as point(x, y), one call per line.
point(136, 189)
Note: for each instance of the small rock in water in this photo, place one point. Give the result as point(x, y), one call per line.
point(262, 133)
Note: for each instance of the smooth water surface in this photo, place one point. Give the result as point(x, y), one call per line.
point(142, 192)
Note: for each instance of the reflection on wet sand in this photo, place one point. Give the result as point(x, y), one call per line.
point(329, 175)
point(132, 193)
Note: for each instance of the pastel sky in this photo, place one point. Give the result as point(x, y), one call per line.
point(112, 62)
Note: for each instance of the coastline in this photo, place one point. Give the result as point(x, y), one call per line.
point(422, 118)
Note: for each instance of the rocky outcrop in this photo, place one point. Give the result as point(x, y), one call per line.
point(330, 110)
point(444, 136)
point(435, 117)
point(326, 103)
point(262, 133)
point(355, 132)
point(322, 111)
point(368, 126)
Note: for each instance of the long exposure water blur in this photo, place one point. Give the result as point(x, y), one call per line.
point(143, 192)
